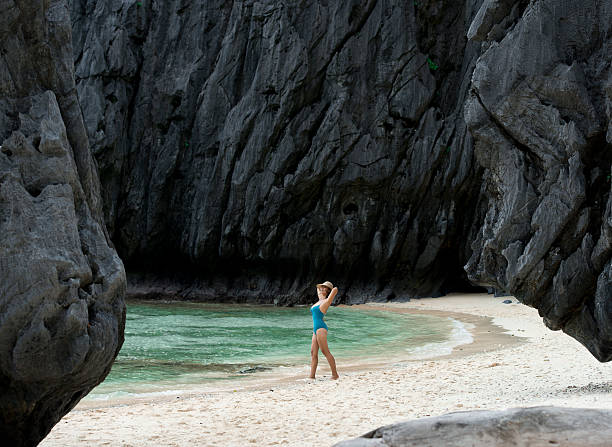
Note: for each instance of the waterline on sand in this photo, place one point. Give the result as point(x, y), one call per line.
point(173, 346)
point(460, 335)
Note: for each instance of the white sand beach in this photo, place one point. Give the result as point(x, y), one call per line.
point(514, 360)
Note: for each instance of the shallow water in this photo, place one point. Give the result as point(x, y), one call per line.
point(172, 344)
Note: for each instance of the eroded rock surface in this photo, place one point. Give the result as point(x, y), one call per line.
point(270, 144)
point(250, 149)
point(62, 284)
point(540, 111)
point(534, 427)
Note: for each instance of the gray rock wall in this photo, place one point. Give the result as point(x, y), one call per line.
point(540, 111)
point(250, 149)
point(61, 295)
point(272, 144)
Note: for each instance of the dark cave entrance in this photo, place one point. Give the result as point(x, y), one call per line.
point(456, 279)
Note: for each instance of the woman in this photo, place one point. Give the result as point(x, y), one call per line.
point(326, 293)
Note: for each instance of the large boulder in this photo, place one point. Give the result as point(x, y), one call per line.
point(62, 309)
point(533, 427)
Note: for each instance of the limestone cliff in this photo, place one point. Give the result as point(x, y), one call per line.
point(540, 111)
point(249, 149)
point(62, 284)
point(271, 144)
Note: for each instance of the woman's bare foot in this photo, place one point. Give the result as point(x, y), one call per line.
point(335, 377)
point(311, 377)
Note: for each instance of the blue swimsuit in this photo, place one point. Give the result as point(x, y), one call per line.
point(317, 319)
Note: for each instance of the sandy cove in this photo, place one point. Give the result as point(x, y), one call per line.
point(514, 361)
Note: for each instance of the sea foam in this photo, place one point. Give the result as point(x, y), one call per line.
point(459, 335)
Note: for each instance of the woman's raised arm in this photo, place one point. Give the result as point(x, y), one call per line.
point(330, 298)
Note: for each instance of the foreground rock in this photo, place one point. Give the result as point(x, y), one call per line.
point(533, 427)
point(62, 284)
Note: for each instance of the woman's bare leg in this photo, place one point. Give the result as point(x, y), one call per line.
point(322, 341)
point(314, 356)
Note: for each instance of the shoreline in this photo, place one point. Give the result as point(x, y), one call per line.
point(481, 328)
point(514, 360)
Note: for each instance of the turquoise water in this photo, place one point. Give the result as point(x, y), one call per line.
point(172, 344)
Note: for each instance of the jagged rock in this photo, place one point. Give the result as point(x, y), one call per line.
point(493, 17)
point(535, 427)
point(539, 111)
point(61, 295)
point(251, 148)
point(255, 147)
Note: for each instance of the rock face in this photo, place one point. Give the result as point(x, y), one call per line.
point(272, 144)
point(540, 111)
point(534, 427)
point(61, 295)
point(251, 149)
